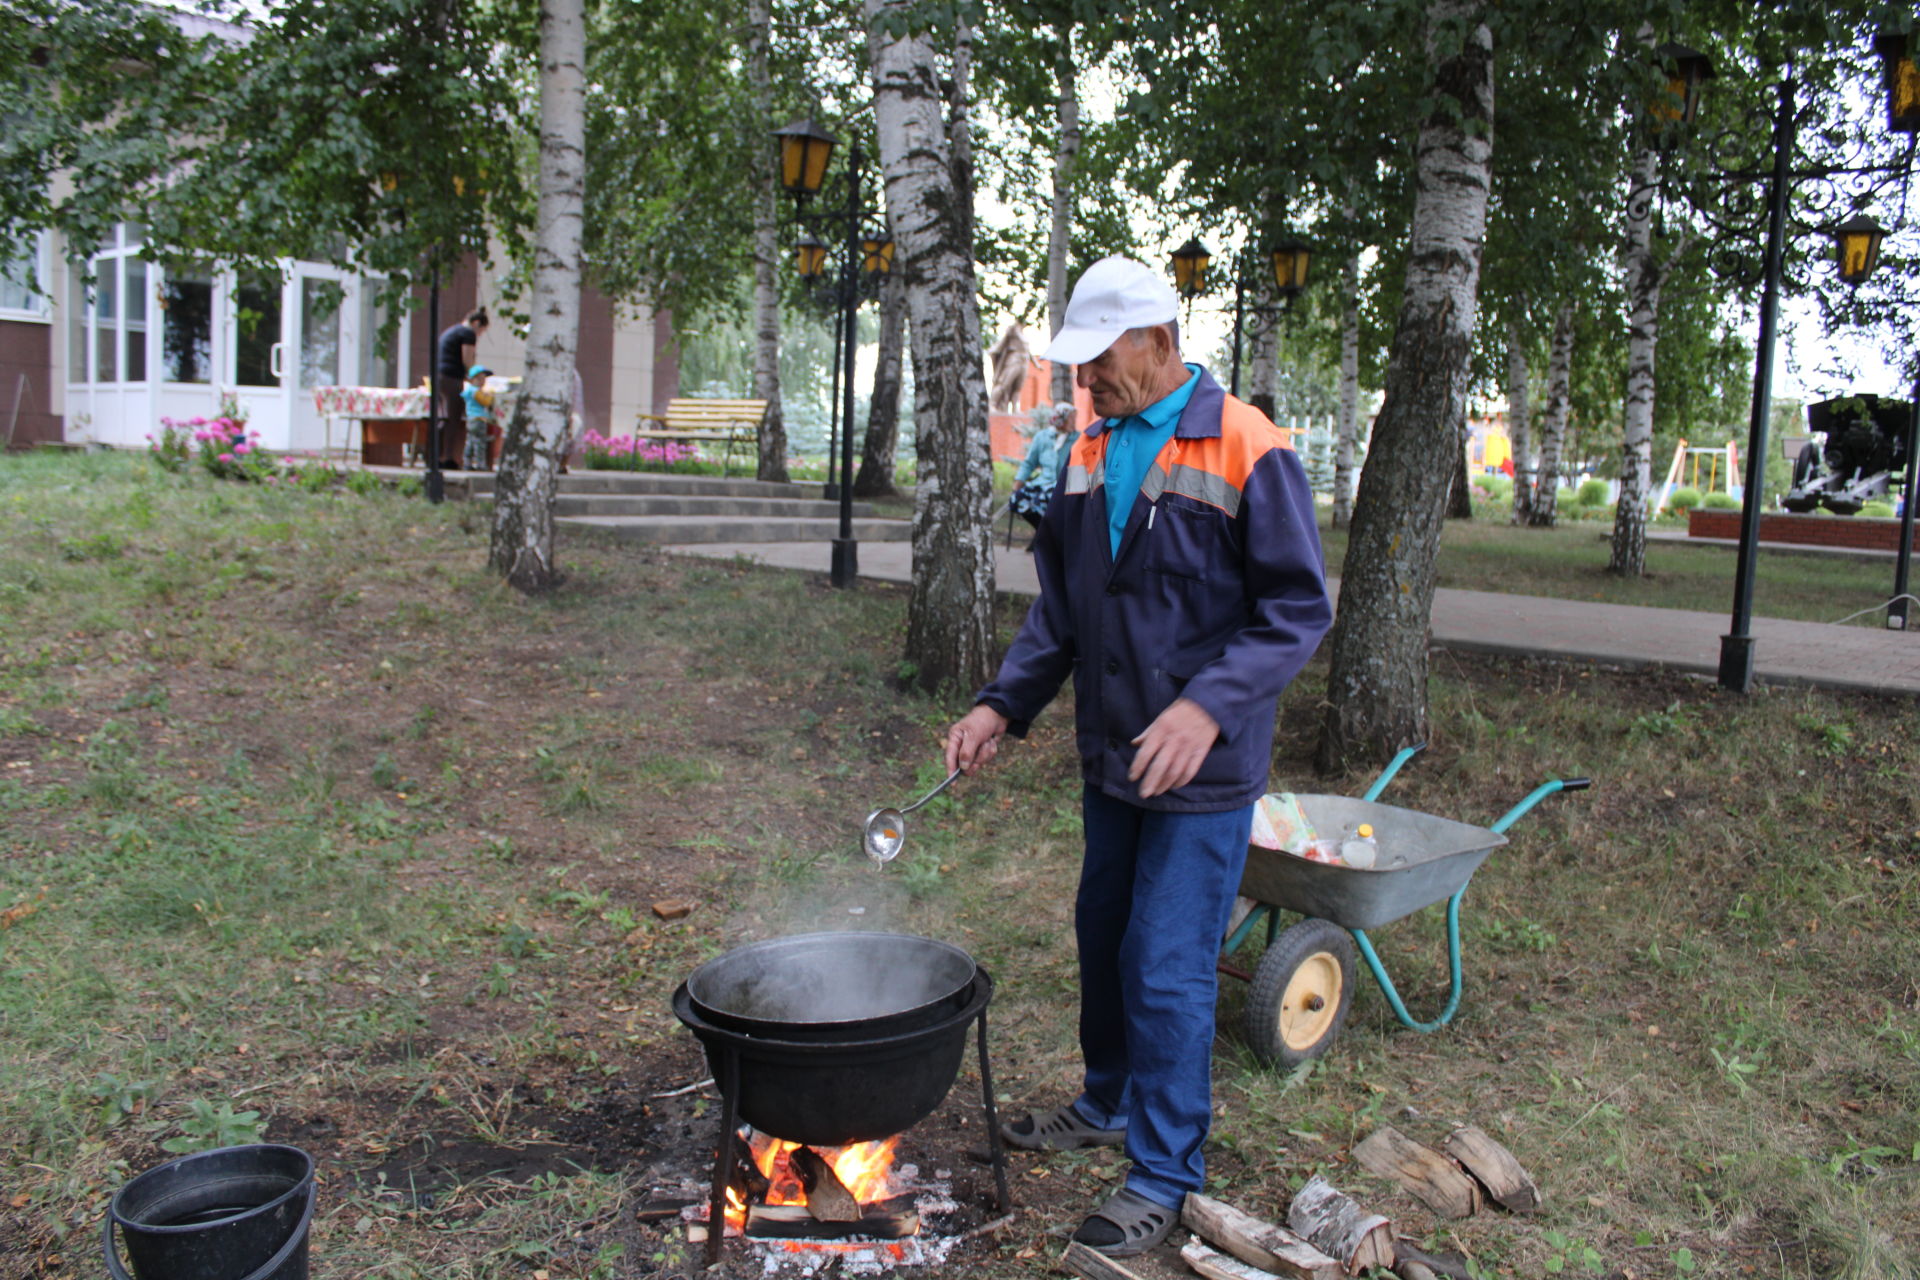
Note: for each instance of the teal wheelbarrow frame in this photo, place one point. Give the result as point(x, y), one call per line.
point(1303, 985)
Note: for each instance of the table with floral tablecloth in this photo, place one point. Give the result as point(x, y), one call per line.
point(407, 405)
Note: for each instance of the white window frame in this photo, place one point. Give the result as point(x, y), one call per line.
point(43, 268)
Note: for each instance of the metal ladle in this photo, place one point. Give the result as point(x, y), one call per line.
point(887, 828)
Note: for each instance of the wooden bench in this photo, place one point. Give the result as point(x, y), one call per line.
point(729, 421)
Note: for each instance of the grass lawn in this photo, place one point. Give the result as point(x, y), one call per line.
point(310, 831)
point(1569, 562)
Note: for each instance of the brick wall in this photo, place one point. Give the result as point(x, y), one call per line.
point(1864, 532)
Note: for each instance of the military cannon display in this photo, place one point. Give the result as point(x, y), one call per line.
point(1863, 456)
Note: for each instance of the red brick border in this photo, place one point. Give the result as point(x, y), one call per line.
point(1868, 533)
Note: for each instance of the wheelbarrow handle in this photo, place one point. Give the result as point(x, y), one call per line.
point(1393, 767)
point(1538, 794)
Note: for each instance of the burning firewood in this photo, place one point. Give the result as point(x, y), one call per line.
point(1338, 1227)
point(827, 1197)
point(1264, 1247)
point(894, 1219)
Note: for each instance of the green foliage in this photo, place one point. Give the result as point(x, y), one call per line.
point(1720, 502)
point(1877, 510)
point(1592, 492)
point(207, 1127)
point(1685, 498)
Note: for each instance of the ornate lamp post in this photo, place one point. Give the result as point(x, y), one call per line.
point(1288, 260)
point(1857, 242)
point(805, 150)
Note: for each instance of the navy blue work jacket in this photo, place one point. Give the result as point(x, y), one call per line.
point(1218, 593)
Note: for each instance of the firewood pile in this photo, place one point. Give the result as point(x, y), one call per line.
point(1327, 1235)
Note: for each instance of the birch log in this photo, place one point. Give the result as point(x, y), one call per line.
point(1262, 1245)
point(1340, 1228)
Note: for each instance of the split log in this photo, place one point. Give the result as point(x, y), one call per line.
point(827, 1197)
point(1218, 1266)
point(1090, 1264)
point(672, 909)
point(1262, 1245)
point(1408, 1269)
point(894, 1219)
point(1428, 1176)
point(1338, 1227)
point(1501, 1176)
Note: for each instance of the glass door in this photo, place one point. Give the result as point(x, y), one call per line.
point(326, 350)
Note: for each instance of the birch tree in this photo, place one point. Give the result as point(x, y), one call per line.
point(1347, 423)
point(949, 614)
point(1376, 684)
point(1643, 274)
point(1519, 387)
point(874, 479)
point(1060, 223)
point(1553, 420)
point(766, 253)
point(539, 432)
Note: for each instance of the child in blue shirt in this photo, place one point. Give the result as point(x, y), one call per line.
point(479, 402)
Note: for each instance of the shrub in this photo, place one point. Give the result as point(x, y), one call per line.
point(1882, 510)
point(1685, 498)
point(1499, 486)
point(1592, 493)
point(1720, 502)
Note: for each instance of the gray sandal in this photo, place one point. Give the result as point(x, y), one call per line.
point(1062, 1129)
point(1126, 1225)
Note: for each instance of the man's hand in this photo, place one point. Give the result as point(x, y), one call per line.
point(1173, 748)
point(974, 739)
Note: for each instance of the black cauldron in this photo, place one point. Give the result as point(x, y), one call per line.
point(827, 1039)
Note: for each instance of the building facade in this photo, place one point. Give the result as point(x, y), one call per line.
point(96, 347)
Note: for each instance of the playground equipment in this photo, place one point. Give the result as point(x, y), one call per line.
point(1683, 453)
point(1858, 453)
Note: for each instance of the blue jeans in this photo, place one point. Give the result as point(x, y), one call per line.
point(1155, 893)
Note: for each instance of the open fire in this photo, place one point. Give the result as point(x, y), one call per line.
point(784, 1191)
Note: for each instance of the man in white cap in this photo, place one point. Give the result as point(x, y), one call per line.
point(1181, 585)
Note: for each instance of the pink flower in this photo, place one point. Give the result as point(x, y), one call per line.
point(226, 458)
point(243, 447)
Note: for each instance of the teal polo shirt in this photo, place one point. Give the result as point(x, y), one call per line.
point(1133, 442)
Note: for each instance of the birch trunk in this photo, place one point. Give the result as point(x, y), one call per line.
point(766, 253)
point(1643, 278)
point(1347, 437)
point(538, 435)
point(1519, 429)
point(1553, 423)
point(1377, 681)
point(1059, 237)
point(950, 610)
point(877, 452)
point(1460, 496)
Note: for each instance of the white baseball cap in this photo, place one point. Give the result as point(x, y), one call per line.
point(1111, 296)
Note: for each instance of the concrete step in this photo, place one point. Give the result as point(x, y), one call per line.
point(686, 529)
point(669, 504)
point(480, 484)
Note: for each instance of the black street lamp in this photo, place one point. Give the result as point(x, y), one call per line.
point(805, 151)
point(1288, 260)
point(1857, 242)
point(1190, 263)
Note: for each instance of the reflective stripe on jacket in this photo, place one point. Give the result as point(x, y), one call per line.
point(1218, 594)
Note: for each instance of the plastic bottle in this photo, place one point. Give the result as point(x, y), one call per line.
point(1359, 849)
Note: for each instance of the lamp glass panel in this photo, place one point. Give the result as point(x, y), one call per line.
point(1859, 254)
point(819, 151)
point(1903, 96)
point(793, 154)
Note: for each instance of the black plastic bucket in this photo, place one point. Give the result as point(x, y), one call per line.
point(238, 1213)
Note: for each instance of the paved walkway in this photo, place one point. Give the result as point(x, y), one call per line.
point(1811, 653)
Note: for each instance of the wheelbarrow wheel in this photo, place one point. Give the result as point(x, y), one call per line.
point(1300, 994)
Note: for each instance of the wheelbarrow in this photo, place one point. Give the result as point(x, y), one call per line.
point(1304, 982)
